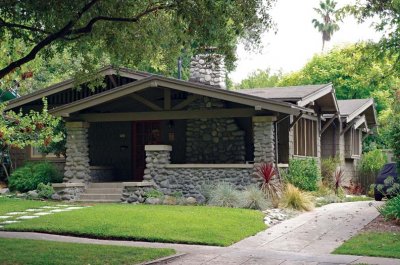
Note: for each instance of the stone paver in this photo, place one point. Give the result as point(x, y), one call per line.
point(27, 217)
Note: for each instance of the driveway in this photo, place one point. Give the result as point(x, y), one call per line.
point(306, 239)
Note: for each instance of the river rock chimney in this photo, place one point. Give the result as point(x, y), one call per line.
point(209, 69)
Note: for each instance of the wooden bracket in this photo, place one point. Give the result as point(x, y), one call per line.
point(298, 117)
point(329, 122)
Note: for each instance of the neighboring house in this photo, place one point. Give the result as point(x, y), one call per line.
point(143, 130)
point(343, 133)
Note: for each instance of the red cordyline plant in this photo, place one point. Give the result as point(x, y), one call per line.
point(267, 171)
point(339, 173)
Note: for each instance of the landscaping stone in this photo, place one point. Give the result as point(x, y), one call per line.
point(275, 216)
point(15, 213)
point(4, 191)
point(59, 210)
point(153, 201)
point(56, 197)
point(49, 207)
point(33, 194)
point(169, 200)
point(191, 200)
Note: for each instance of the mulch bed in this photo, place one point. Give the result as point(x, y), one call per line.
point(380, 225)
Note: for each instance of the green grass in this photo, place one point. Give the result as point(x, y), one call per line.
point(38, 252)
point(158, 223)
point(15, 205)
point(372, 244)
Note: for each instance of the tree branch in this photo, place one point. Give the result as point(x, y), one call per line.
point(3, 23)
point(46, 41)
point(89, 26)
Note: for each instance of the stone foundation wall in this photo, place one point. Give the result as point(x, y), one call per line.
point(67, 191)
point(135, 194)
point(214, 140)
point(188, 180)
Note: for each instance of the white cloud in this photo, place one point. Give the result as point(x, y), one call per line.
point(297, 40)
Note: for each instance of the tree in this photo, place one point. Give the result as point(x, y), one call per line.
point(386, 17)
point(394, 129)
point(328, 12)
point(18, 130)
point(259, 79)
point(129, 32)
point(355, 72)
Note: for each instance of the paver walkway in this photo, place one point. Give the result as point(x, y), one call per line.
point(305, 239)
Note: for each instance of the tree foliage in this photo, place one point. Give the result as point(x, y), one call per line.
point(259, 79)
point(18, 130)
point(355, 72)
point(130, 32)
point(329, 24)
point(386, 17)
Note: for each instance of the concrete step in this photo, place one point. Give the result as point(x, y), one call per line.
point(98, 201)
point(98, 185)
point(92, 196)
point(104, 191)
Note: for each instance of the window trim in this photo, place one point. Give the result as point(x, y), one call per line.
point(50, 156)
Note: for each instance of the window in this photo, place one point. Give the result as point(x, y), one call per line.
point(355, 142)
point(352, 143)
point(305, 137)
point(35, 153)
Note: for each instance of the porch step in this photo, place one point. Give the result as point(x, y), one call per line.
point(99, 185)
point(93, 196)
point(104, 191)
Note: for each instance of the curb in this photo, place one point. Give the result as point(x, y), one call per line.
point(164, 260)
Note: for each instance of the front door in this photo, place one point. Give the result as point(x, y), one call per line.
point(143, 133)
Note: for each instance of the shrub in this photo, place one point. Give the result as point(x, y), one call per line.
point(371, 162)
point(339, 173)
point(28, 177)
point(266, 171)
point(389, 188)
point(153, 193)
point(294, 198)
point(391, 210)
point(44, 190)
point(303, 173)
point(328, 169)
point(224, 195)
point(253, 198)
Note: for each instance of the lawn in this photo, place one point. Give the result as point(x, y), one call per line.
point(158, 223)
point(38, 252)
point(15, 205)
point(376, 244)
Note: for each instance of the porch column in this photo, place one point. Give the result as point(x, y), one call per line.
point(264, 135)
point(77, 162)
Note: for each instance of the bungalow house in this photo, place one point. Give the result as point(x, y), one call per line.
point(343, 133)
point(142, 131)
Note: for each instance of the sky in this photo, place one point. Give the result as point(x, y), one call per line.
point(296, 40)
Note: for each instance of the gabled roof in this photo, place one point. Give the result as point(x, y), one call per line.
point(353, 108)
point(67, 84)
point(191, 87)
point(301, 95)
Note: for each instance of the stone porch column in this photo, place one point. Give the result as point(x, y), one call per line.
point(157, 156)
point(77, 162)
point(264, 135)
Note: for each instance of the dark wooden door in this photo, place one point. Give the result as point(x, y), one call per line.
point(143, 133)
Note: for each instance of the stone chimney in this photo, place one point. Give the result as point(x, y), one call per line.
point(208, 69)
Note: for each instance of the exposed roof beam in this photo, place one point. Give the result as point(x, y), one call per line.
point(186, 102)
point(329, 122)
point(360, 121)
point(145, 102)
point(167, 98)
point(298, 117)
point(168, 115)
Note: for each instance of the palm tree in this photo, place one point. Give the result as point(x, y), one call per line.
point(328, 12)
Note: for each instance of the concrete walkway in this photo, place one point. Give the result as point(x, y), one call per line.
point(305, 239)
